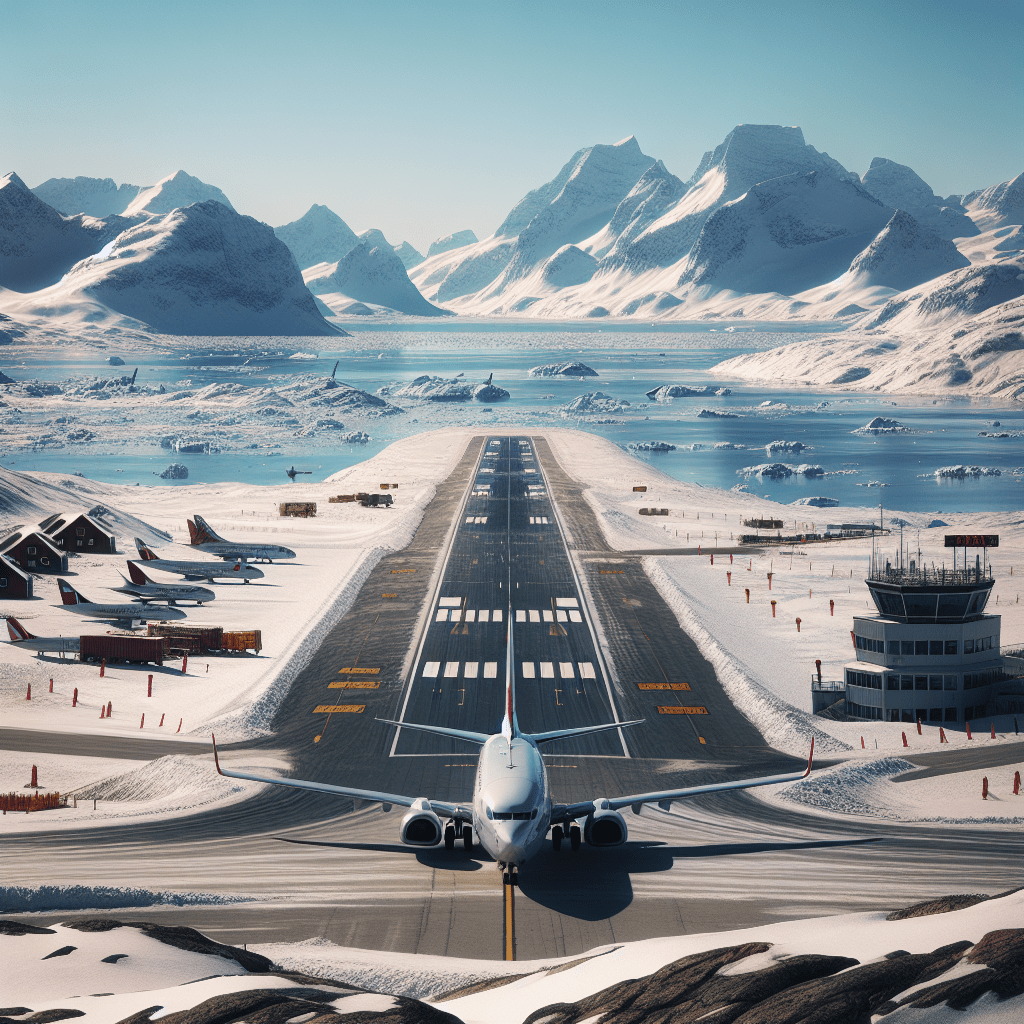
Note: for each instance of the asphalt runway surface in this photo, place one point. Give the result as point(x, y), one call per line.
point(510, 532)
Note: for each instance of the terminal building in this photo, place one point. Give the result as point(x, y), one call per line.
point(932, 653)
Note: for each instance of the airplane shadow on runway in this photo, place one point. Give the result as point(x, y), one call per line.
point(592, 884)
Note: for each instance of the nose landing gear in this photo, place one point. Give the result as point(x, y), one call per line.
point(510, 874)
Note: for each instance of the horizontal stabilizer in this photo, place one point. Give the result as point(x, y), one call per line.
point(586, 730)
point(439, 730)
point(17, 631)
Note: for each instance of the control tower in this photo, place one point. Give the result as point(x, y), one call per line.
point(931, 653)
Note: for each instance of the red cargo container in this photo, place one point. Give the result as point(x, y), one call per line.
point(243, 640)
point(116, 647)
point(193, 639)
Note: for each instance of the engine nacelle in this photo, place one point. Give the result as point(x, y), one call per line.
point(605, 827)
point(421, 826)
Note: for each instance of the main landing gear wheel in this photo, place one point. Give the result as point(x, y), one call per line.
point(556, 838)
point(449, 837)
point(574, 838)
point(467, 836)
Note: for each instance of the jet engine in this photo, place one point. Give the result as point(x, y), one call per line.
point(421, 826)
point(605, 827)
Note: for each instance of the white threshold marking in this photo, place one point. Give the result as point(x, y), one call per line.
point(574, 616)
point(450, 602)
point(561, 616)
point(548, 615)
point(520, 615)
point(528, 670)
point(565, 670)
point(484, 615)
point(490, 670)
point(451, 669)
point(471, 669)
point(547, 670)
point(430, 669)
point(497, 616)
point(442, 615)
point(586, 670)
point(566, 602)
point(534, 615)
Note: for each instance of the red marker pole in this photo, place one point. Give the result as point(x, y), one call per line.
point(798, 623)
point(770, 575)
point(110, 708)
point(161, 721)
point(149, 687)
point(184, 663)
point(34, 784)
point(773, 609)
point(984, 788)
point(862, 743)
point(730, 559)
point(143, 722)
point(103, 668)
point(728, 579)
point(905, 743)
point(968, 726)
point(28, 695)
point(831, 607)
point(712, 559)
point(992, 733)
point(51, 685)
point(74, 698)
point(747, 592)
point(942, 735)
point(919, 727)
point(180, 720)
point(103, 711)
point(1016, 783)
point(817, 665)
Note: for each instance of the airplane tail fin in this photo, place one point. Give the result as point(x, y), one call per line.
point(201, 532)
point(490, 377)
point(147, 554)
point(17, 631)
point(68, 594)
point(137, 575)
point(510, 724)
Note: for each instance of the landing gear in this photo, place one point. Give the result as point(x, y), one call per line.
point(467, 837)
point(556, 837)
point(574, 838)
point(510, 875)
point(449, 836)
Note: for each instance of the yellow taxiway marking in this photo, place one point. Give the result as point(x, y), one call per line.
point(663, 686)
point(355, 670)
point(393, 571)
point(613, 572)
point(677, 709)
point(510, 922)
point(389, 595)
point(330, 709)
point(354, 684)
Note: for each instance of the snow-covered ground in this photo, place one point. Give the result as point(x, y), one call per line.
point(136, 969)
point(296, 603)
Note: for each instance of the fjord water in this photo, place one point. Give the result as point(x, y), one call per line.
point(897, 470)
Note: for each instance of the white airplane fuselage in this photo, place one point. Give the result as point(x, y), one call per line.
point(132, 612)
point(210, 571)
point(511, 799)
point(170, 592)
point(228, 550)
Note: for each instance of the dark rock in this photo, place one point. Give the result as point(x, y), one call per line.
point(195, 942)
point(93, 924)
point(14, 1011)
point(8, 927)
point(46, 1016)
point(942, 905)
point(63, 951)
point(113, 958)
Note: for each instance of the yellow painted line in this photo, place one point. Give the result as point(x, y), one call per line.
point(389, 595)
point(330, 709)
point(354, 671)
point(354, 684)
point(663, 686)
point(510, 922)
point(613, 572)
point(677, 709)
point(701, 738)
point(393, 571)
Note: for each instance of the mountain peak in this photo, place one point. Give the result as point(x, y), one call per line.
point(318, 236)
point(12, 179)
point(175, 191)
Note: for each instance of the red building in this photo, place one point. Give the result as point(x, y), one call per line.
point(14, 584)
point(33, 551)
point(79, 533)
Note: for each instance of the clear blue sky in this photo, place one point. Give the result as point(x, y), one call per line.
point(422, 118)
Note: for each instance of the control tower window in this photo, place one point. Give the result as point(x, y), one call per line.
point(951, 646)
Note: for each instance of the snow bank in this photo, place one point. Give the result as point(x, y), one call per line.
point(19, 899)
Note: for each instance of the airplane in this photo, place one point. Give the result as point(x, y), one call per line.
point(293, 473)
point(210, 571)
point(145, 589)
point(204, 538)
point(511, 810)
point(133, 611)
point(21, 637)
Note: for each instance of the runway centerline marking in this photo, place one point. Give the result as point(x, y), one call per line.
point(339, 709)
point(354, 684)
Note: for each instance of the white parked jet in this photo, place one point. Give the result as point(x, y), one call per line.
point(210, 571)
point(21, 637)
point(143, 588)
point(511, 810)
point(204, 538)
point(133, 611)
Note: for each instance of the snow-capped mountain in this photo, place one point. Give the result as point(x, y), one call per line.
point(318, 236)
point(456, 240)
point(175, 191)
point(898, 186)
point(97, 197)
point(999, 205)
point(409, 256)
point(37, 244)
point(577, 203)
point(200, 270)
point(371, 272)
point(786, 235)
point(905, 254)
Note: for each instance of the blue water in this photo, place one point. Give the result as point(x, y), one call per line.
point(946, 431)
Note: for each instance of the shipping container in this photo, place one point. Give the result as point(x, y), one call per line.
point(192, 639)
point(299, 509)
point(243, 640)
point(342, 497)
point(121, 647)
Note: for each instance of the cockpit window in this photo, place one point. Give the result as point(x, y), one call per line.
point(511, 815)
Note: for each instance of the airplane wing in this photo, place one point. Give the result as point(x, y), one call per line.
point(385, 799)
point(565, 812)
point(585, 730)
point(440, 730)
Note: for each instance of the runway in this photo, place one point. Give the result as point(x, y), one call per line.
point(510, 532)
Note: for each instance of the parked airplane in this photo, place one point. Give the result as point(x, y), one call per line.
point(21, 637)
point(204, 538)
point(145, 589)
point(133, 611)
point(210, 571)
point(511, 810)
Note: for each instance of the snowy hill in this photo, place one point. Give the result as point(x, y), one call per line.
point(174, 191)
point(456, 240)
point(371, 272)
point(786, 235)
point(409, 256)
point(37, 244)
point(97, 197)
point(999, 205)
point(963, 331)
point(905, 255)
point(201, 270)
point(318, 236)
point(899, 187)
